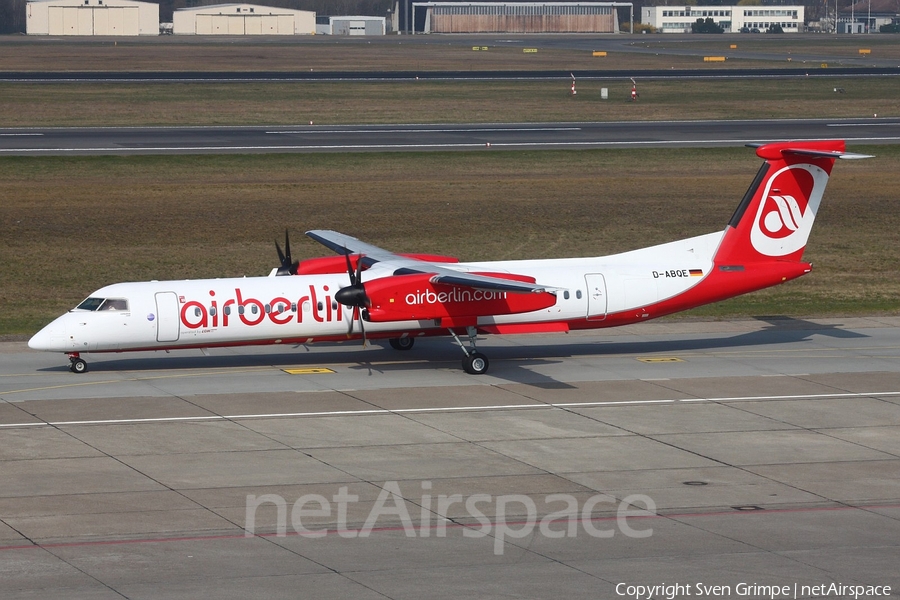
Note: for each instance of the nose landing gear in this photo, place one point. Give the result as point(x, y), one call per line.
point(77, 364)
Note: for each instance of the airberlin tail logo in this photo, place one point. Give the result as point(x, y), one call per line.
point(786, 214)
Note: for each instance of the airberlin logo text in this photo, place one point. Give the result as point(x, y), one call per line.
point(454, 295)
point(279, 310)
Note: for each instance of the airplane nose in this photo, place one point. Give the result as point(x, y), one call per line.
point(50, 338)
point(40, 340)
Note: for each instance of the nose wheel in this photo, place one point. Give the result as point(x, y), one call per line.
point(402, 343)
point(77, 364)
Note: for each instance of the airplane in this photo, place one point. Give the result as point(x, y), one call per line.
point(366, 292)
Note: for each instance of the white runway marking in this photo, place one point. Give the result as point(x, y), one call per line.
point(445, 409)
point(475, 130)
point(382, 147)
point(873, 124)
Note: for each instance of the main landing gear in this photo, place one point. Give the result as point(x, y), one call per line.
point(402, 343)
point(475, 363)
point(77, 364)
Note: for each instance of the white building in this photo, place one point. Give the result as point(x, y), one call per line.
point(242, 19)
point(91, 17)
point(678, 19)
point(351, 25)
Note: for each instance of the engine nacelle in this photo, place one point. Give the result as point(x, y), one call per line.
point(414, 297)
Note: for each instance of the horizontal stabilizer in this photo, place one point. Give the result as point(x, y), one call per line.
point(777, 150)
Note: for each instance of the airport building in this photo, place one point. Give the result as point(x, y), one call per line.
point(351, 25)
point(519, 17)
point(242, 19)
point(91, 17)
point(678, 19)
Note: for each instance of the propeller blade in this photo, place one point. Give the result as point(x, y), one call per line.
point(288, 267)
point(354, 295)
point(350, 325)
point(359, 266)
point(353, 279)
point(287, 247)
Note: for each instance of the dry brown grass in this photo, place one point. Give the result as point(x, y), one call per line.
point(317, 54)
point(24, 105)
point(73, 224)
point(835, 49)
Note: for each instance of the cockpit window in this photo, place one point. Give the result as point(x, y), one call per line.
point(115, 304)
point(95, 304)
point(91, 304)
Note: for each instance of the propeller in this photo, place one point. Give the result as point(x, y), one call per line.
point(354, 295)
point(287, 266)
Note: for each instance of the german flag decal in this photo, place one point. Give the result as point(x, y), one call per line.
point(696, 272)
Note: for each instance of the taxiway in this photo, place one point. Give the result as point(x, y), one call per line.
point(40, 141)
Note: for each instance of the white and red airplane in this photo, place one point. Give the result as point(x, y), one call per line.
point(374, 293)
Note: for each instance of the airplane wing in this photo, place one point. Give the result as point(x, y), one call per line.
point(402, 265)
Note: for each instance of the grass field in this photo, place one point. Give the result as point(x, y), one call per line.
point(400, 53)
point(27, 105)
point(72, 225)
point(837, 50)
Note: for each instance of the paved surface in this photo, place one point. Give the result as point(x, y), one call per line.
point(754, 452)
point(362, 138)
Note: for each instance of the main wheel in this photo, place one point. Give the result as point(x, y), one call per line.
point(476, 363)
point(402, 343)
point(78, 366)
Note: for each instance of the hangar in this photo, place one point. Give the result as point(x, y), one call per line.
point(91, 17)
point(242, 19)
point(520, 17)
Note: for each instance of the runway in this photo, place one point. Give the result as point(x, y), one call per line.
point(431, 137)
point(761, 452)
point(801, 71)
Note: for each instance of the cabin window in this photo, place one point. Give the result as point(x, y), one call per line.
point(241, 309)
point(566, 294)
point(578, 294)
point(227, 310)
point(333, 305)
point(268, 308)
point(254, 309)
point(320, 306)
point(197, 312)
point(293, 307)
point(212, 311)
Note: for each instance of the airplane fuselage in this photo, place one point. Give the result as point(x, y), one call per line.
point(155, 315)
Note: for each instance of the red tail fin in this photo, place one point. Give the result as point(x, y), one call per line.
point(775, 217)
